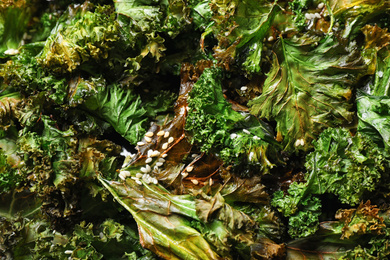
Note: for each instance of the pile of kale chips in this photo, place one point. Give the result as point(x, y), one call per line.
point(186, 129)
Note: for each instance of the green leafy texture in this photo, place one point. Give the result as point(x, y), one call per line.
point(210, 117)
point(10, 177)
point(308, 91)
point(356, 13)
point(169, 17)
point(344, 165)
point(299, 7)
point(25, 238)
point(14, 18)
point(88, 36)
point(374, 118)
point(303, 210)
point(122, 109)
point(161, 224)
point(215, 127)
point(24, 73)
point(240, 27)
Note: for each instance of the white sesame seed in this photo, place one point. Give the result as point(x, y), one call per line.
point(121, 176)
point(160, 133)
point(138, 182)
point(138, 175)
point(148, 168)
point(11, 52)
point(158, 164)
point(184, 174)
point(246, 131)
point(135, 178)
point(211, 181)
point(155, 153)
point(189, 168)
point(149, 134)
point(270, 39)
point(299, 142)
point(144, 170)
point(243, 88)
point(256, 137)
point(170, 140)
point(164, 155)
point(148, 160)
point(155, 181)
point(233, 136)
point(307, 16)
point(140, 143)
point(320, 5)
point(68, 252)
point(317, 15)
point(166, 134)
point(196, 182)
point(194, 155)
point(148, 139)
point(161, 160)
point(251, 155)
point(150, 151)
point(164, 146)
point(126, 173)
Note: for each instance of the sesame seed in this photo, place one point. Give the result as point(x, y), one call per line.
point(68, 252)
point(138, 182)
point(148, 139)
point(149, 134)
point(148, 168)
point(138, 175)
point(140, 143)
point(194, 155)
point(233, 136)
point(270, 39)
point(189, 168)
point(155, 181)
point(246, 131)
point(148, 160)
point(144, 170)
point(126, 173)
point(158, 164)
point(307, 16)
point(243, 88)
point(166, 134)
point(164, 146)
point(161, 133)
point(320, 5)
point(256, 137)
point(164, 155)
point(317, 15)
point(121, 176)
point(196, 182)
point(150, 151)
point(135, 178)
point(170, 140)
point(211, 181)
point(161, 160)
point(11, 52)
point(155, 153)
point(184, 174)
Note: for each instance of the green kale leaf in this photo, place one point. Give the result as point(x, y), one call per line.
point(307, 91)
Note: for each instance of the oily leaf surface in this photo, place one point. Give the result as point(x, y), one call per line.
point(306, 92)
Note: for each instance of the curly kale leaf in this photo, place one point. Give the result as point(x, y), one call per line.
point(78, 38)
point(308, 91)
point(210, 117)
point(240, 27)
point(374, 118)
point(122, 109)
point(344, 165)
